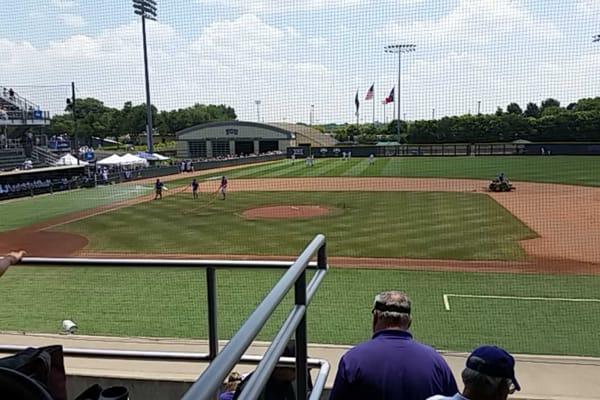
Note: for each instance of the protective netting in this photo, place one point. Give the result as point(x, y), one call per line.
point(494, 90)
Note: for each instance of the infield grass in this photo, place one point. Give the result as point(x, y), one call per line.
point(171, 303)
point(433, 225)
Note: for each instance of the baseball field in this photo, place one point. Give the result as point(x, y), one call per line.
point(518, 269)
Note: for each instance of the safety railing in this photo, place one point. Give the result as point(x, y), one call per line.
point(209, 383)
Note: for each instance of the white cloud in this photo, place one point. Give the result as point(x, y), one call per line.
point(64, 3)
point(490, 50)
point(496, 51)
point(72, 20)
point(230, 62)
point(589, 7)
point(284, 6)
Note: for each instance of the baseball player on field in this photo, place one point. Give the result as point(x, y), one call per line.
point(223, 187)
point(158, 188)
point(195, 186)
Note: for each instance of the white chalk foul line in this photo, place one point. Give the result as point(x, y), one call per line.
point(447, 296)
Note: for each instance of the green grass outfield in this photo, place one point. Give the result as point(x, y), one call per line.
point(576, 170)
point(580, 170)
point(29, 210)
point(460, 226)
point(171, 303)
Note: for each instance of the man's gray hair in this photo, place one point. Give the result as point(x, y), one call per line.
point(483, 383)
point(395, 300)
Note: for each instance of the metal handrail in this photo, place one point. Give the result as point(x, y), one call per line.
point(181, 356)
point(209, 382)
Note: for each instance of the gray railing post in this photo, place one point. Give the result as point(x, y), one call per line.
point(322, 257)
point(301, 340)
point(211, 290)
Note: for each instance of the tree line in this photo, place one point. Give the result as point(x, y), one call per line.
point(94, 118)
point(547, 122)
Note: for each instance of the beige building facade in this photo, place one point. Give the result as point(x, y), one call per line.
point(220, 139)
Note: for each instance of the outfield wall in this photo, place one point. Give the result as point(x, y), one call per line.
point(478, 149)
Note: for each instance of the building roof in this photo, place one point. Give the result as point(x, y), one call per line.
point(306, 134)
point(232, 123)
point(302, 133)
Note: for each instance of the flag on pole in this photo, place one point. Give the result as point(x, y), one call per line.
point(390, 98)
point(356, 102)
point(370, 93)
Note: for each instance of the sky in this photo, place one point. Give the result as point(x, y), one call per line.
point(292, 54)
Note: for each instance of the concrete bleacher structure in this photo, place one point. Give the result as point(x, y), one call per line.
point(541, 377)
point(11, 159)
point(18, 111)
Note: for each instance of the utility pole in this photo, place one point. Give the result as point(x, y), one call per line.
point(71, 102)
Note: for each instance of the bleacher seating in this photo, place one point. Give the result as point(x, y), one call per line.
point(15, 109)
point(14, 158)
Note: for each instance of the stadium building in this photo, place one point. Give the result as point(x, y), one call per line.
point(220, 139)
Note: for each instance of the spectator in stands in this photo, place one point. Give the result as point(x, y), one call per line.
point(11, 93)
point(280, 384)
point(231, 385)
point(392, 365)
point(489, 375)
point(11, 258)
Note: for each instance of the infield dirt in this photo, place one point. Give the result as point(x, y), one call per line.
point(566, 219)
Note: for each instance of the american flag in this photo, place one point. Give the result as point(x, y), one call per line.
point(370, 93)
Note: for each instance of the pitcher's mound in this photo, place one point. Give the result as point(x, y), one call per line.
point(284, 212)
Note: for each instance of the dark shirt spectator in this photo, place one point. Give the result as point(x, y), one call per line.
point(231, 385)
point(11, 258)
point(392, 365)
point(489, 375)
point(280, 385)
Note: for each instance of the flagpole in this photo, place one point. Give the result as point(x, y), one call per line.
point(373, 106)
point(384, 118)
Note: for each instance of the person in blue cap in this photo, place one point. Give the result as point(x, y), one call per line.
point(489, 375)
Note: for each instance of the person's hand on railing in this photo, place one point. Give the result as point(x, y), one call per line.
point(11, 258)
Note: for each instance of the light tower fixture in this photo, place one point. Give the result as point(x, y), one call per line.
point(147, 10)
point(399, 49)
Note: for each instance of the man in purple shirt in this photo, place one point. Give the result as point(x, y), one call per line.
point(392, 365)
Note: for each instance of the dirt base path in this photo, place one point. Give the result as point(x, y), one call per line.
point(530, 266)
point(567, 219)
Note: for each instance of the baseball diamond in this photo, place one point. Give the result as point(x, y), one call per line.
point(429, 234)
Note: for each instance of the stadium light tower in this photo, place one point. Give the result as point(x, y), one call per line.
point(257, 102)
point(147, 10)
point(399, 49)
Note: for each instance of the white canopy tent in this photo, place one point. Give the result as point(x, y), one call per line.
point(111, 160)
point(152, 156)
point(69, 159)
point(130, 159)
